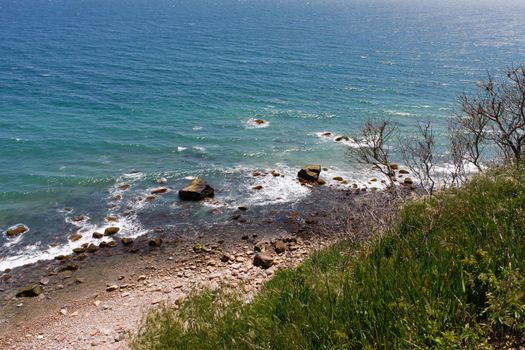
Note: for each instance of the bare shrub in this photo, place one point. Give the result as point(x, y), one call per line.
point(458, 150)
point(418, 154)
point(375, 136)
point(497, 115)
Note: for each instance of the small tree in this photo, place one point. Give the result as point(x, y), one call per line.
point(497, 115)
point(469, 131)
point(418, 154)
point(458, 150)
point(374, 150)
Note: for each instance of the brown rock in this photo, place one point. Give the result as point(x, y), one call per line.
point(126, 241)
point(91, 248)
point(196, 190)
point(338, 178)
point(259, 121)
point(78, 218)
point(408, 181)
point(394, 166)
point(112, 288)
point(112, 244)
point(226, 257)
point(257, 187)
point(262, 260)
point(97, 235)
point(111, 231)
point(327, 134)
point(403, 171)
point(310, 173)
point(321, 181)
point(155, 242)
point(159, 190)
point(69, 267)
point(75, 237)
point(16, 230)
point(342, 138)
point(279, 246)
point(79, 250)
point(30, 291)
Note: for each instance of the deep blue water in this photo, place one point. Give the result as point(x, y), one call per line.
point(92, 92)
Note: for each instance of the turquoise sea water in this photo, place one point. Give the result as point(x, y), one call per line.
point(95, 94)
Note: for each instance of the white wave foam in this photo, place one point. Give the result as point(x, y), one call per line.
point(393, 112)
point(275, 189)
point(129, 227)
point(199, 148)
point(328, 136)
point(181, 148)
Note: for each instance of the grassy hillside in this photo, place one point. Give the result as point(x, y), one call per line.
point(450, 274)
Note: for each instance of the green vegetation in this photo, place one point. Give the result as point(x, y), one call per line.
point(448, 275)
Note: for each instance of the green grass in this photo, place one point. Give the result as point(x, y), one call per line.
point(449, 275)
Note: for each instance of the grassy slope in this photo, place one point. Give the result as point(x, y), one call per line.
point(449, 275)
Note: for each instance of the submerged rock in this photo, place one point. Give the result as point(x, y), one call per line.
point(342, 138)
point(197, 190)
point(259, 121)
point(159, 190)
point(30, 292)
point(16, 230)
point(262, 260)
point(75, 237)
point(257, 187)
point(310, 172)
point(403, 171)
point(78, 218)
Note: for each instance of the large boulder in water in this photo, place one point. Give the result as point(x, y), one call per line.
point(16, 230)
point(197, 190)
point(310, 172)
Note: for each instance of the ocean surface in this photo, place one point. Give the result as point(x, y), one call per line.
point(95, 94)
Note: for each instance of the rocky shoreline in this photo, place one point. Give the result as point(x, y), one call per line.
point(94, 298)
